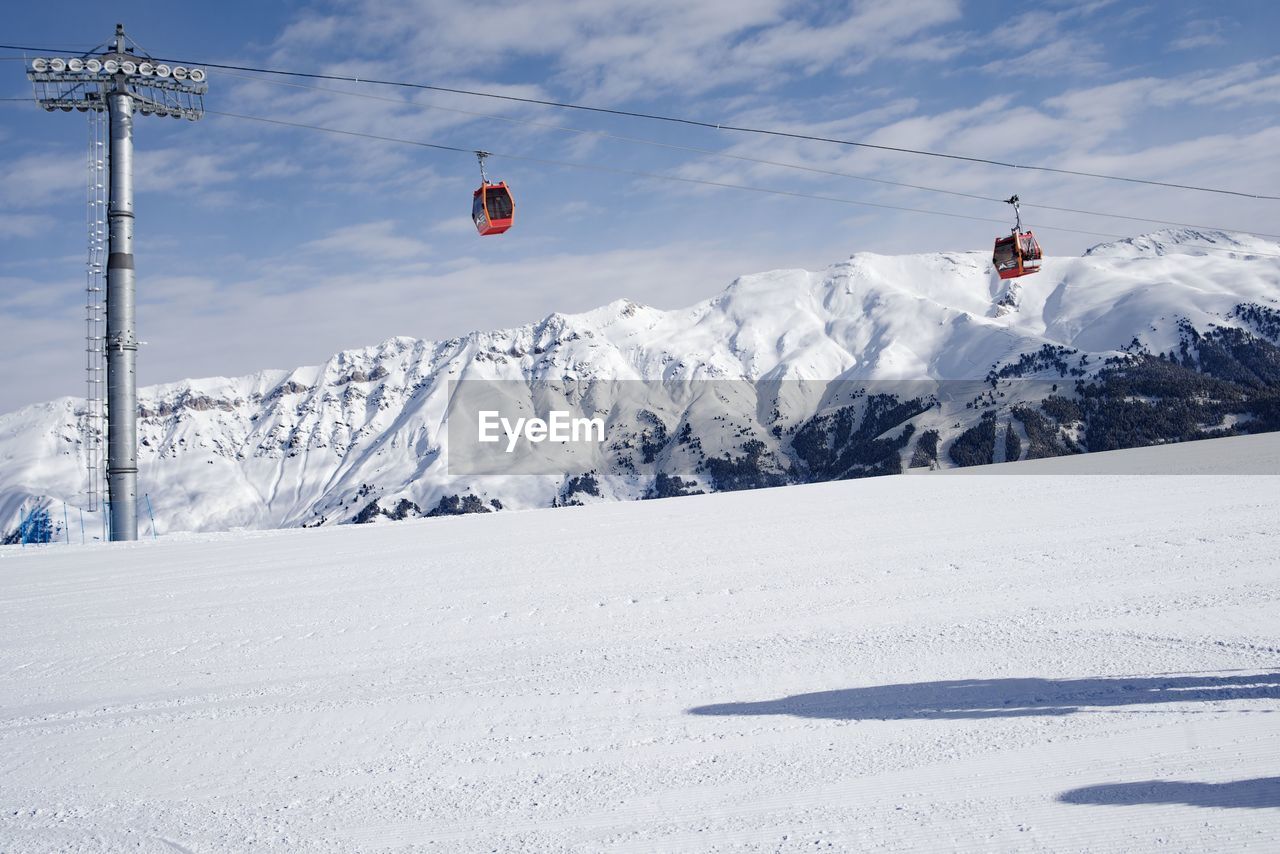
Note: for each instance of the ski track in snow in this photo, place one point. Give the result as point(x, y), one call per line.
point(970, 663)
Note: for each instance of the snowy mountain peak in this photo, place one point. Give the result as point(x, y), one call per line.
point(1185, 241)
point(364, 435)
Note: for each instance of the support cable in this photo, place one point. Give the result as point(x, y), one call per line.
point(706, 152)
point(697, 181)
point(719, 126)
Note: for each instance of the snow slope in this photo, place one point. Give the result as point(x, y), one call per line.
point(1036, 663)
point(315, 445)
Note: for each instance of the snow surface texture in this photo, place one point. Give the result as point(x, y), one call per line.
point(917, 663)
point(316, 445)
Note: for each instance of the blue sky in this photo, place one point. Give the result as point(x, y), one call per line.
point(260, 246)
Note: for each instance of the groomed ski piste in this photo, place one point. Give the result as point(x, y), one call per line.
point(1051, 662)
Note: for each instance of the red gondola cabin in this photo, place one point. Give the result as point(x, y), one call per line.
point(492, 209)
point(1017, 255)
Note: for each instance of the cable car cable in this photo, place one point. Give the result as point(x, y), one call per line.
point(709, 152)
point(738, 129)
point(722, 154)
point(416, 142)
point(612, 170)
point(699, 181)
point(606, 135)
point(693, 123)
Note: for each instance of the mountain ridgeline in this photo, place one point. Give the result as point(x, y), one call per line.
point(878, 365)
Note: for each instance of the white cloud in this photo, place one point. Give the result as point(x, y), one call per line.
point(1201, 32)
point(1198, 40)
point(371, 240)
point(869, 31)
point(24, 225)
point(1057, 54)
point(37, 179)
point(181, 170)
point(1114, 106)
point(1058, 39)
point(631, 48)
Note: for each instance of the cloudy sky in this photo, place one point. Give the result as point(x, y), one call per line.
point(265, 246)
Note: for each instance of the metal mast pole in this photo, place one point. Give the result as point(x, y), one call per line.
point(122, 339)
point(124, 83)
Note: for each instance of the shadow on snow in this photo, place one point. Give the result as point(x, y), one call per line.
point(1261, 793)
point(1006, 698)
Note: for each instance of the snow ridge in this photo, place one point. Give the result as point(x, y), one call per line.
point(317, 444)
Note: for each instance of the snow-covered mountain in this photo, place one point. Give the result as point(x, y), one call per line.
point(874, 365)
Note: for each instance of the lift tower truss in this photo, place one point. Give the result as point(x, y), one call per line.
point(95, 288)
point(122, 81)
